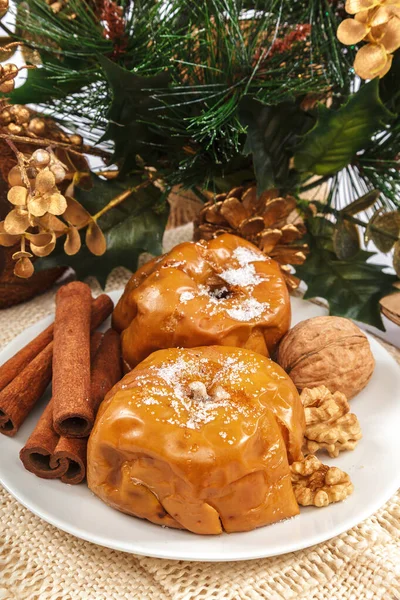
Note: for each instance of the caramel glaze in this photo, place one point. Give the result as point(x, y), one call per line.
point(199, 439)
point(195, 295)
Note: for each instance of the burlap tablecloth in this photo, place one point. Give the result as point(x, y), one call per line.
point(39, 562)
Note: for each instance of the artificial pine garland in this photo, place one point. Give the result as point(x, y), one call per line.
point(215, 94)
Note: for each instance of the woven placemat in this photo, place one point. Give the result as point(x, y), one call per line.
point(39, 562)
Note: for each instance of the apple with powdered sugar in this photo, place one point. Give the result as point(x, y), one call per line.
point(224, 292)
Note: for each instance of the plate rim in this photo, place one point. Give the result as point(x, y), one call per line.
point(173, 553)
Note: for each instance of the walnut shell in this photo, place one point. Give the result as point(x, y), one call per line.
point(329, 351)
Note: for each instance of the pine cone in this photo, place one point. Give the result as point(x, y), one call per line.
point(269, 221)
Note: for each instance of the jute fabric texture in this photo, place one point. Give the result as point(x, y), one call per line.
point(39, 562)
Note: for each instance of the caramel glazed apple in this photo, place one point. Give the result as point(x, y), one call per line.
point(199, 439)
point(224, 292)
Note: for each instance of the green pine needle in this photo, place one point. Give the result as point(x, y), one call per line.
point(215, 51)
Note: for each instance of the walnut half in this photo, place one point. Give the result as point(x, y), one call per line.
point(315, 484)
point(329, 423)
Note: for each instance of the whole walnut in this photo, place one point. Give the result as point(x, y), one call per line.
point(329, 351)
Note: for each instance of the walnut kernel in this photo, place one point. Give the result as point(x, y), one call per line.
point(315, 484)
point(329, 423)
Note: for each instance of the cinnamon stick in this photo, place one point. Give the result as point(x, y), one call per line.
point(19, 397)
point(50, 456)
point(13, 367)
point(107, 369)
point(39, 449)
point(72, 416)
point(101, 308)
point(95, 340)
point(73, 450)
point(28, 384)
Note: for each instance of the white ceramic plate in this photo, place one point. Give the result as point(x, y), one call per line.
point(373, 467)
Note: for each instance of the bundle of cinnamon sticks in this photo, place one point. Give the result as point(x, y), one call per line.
point(82, 364)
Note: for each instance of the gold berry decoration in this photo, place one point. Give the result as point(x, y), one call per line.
point(37, 126)
point(376, 22)
point(19, 120)
point(7, 75)
point(76, 140)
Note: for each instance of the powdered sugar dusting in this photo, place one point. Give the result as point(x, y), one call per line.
point(248, 309)
point(204, 411)
point(185, 297)
point(197, 392)
point(233, 299)
point(203, 290)
point(243, 276)
point(246, 274)
point(237, 307)
point(149, 401)
point(244, 256)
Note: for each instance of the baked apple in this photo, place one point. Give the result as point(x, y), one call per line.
point(224, 291)
point(199, 439)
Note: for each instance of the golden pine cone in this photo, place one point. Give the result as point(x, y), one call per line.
point(269, 221)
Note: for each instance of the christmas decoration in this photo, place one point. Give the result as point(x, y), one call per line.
point(37, 203)
point(13, 289)
point(219, 95)
point(378, 23)
point(271, 223)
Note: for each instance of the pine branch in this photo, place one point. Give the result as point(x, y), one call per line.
point(84, 149)
point(216, 52)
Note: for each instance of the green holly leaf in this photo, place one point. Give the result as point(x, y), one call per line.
point(134, 124)
point(352, 287)
point(339, 134)
point(131, 228)
point(271, 133)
